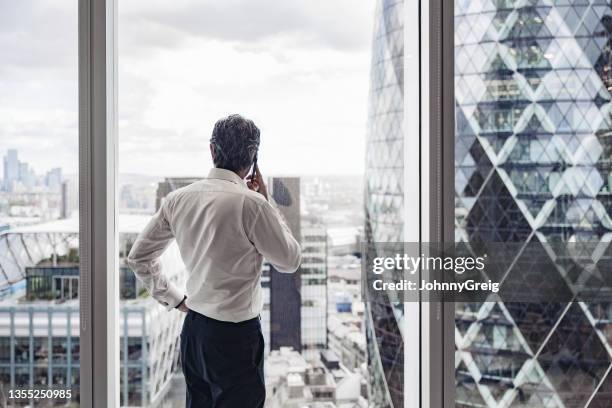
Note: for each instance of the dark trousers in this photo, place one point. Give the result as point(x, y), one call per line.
point(222, 363)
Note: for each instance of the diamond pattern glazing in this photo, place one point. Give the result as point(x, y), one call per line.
point(533, 162)
point(384, 196)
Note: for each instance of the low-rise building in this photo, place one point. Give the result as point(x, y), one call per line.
point(292, 382)
point(347, 339)
point(39, 317)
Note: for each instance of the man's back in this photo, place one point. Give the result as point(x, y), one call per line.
point(223, 231)
point(224, 228)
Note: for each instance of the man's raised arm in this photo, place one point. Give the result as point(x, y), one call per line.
point(274, 240)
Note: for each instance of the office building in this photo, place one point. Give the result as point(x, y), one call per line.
point(346, 339)
point(285, 288)
point(265, 298)
point(69, 198)
point(27, 178)
point(53, 179)
point(293, 382)
point(11, 169)
point(39, 318)
point(313, 274)
point(533, 163)
point(384, 185)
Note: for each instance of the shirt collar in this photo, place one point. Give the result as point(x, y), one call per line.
point(228, 175)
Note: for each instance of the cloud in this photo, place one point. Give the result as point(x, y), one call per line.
point(39, 82)
point(38, 35)
point(335, 24)
point(309, 103)
point(299, 68)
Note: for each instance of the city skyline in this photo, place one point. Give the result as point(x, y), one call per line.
point(160, 176)
point(51, 281)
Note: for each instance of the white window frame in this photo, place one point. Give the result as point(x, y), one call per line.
point(429, 372)
point(413, 197)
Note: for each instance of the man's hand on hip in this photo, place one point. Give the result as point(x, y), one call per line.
point(182, 307)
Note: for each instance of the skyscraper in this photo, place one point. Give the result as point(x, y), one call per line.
point(11, 169)
point(384, 218)
point(53, 179)
point(27, 178)
point(69, 198)
point(285, 294)
point(313, 275)
point(533, 163)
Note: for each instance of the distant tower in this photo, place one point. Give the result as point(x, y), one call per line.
point(11, 169)
point(53, 179)
point(69, 197)
point(285, 296)
point(64, 210)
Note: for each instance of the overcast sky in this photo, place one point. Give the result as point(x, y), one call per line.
point(299, 68)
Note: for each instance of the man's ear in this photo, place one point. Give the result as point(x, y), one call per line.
point(212, 152)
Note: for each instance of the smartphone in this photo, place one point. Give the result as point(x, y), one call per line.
point(254, 167)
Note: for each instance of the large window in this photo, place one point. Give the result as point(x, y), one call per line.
point(39, 253)
point(300, 70)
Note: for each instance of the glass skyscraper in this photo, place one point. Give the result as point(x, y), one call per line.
point(384, 196)
point(533, 163)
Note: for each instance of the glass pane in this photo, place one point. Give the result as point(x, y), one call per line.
point(38, 200)
point(384, 190)
point(533, 162)
point(300, 71)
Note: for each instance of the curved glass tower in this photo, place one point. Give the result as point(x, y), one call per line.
point(533, 163)
point(384, 196)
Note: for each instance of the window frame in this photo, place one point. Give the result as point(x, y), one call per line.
point(99, 307)
point(413, 140)
point(431, 383)
point(430, 155)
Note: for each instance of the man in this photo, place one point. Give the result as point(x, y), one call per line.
point(224, 228)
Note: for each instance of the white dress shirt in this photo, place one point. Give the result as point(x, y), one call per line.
point(223, 231)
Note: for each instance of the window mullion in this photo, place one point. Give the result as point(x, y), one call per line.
point(97, 221)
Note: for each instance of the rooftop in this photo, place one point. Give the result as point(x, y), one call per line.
point(26, 246)
point(127, 223)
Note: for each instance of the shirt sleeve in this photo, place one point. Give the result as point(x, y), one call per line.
point(144, 259)
point(273, 239)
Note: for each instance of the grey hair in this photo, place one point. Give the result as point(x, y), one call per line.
point(235, 141)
